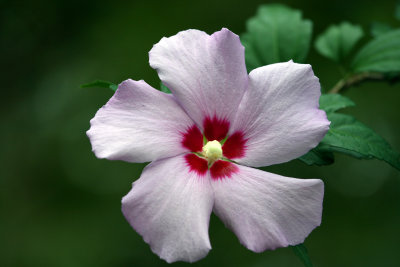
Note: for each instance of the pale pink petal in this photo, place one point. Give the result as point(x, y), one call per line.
point(279, 114)
point(170, 206)
point(139, 124)
point(207, 74)
point(267, 211)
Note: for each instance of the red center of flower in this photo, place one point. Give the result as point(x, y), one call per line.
point(233, 147)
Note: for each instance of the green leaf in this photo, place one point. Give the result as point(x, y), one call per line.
point(397, 11)
point(164, 89)
point(379, 28)
point(337, 41)
point(349, 136)
point(334, 102)
point(101, 84)
point(277, 33)
point(318, 157)
point(302, 253)
point(382, 54)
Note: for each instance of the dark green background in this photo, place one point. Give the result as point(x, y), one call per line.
point(60, 206)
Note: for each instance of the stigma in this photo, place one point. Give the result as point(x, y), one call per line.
point(212, 151)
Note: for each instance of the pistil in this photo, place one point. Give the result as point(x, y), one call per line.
point(212, 151)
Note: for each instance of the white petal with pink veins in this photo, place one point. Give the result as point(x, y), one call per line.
point(279, 114)
point(207, 74)
point(170, 206)
point(267, 211)
point(138, 124)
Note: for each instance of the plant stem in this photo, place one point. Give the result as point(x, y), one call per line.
point(355, 79)
point(301, 252)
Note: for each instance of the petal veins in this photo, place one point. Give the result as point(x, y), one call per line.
point(215, 128)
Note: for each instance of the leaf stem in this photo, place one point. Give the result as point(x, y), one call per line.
point(301, 252)
point(355, 79)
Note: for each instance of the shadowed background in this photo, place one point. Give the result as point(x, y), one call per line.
point(60, 206)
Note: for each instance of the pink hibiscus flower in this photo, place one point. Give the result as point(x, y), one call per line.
point(203, 140)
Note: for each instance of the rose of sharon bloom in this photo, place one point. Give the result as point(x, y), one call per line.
point(203, 140)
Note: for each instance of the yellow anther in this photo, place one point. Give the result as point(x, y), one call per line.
point(212, 151)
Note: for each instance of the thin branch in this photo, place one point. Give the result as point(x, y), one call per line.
point(355, 79)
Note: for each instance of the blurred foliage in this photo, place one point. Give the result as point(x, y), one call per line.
point(60, 205)
point(378, 28)
point(338, 40)
point(382, 54)
point(276, 34)
point(101, 84)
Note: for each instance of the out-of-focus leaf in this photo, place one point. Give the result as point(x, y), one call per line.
point(382, 54)
point(379, 28)
point(164, 89)
point(277, 33)
point(334, 102)
point(397, 11)
point(302, 253)
point(100, 83)
point(337, 41)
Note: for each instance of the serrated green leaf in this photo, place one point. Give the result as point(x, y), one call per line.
point(101, 84)
point(302, 253)
point(379, 28)
point(277, 33)
point(164, 89)
point(334, 102)
point(382, 54)
point(349, 136)
point(337, 41)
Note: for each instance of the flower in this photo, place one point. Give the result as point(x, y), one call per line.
point(203, 140)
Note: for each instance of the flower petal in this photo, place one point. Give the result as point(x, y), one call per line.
point(170, 206)
point(139, 124)
point(280, 114)
point(267, 211)
point(207, 74)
